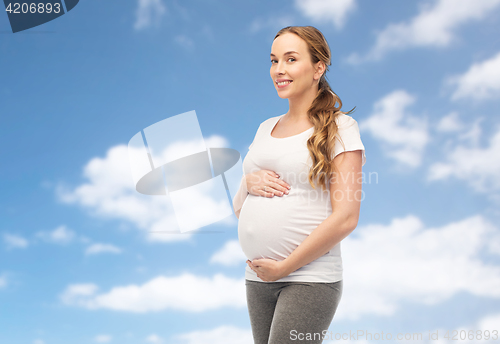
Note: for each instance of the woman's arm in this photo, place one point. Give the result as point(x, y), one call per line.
point(240, 197)
point(345, 195)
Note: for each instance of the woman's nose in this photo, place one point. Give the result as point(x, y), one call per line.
point(279, 70)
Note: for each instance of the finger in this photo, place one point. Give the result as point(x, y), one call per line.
point(272, 173)
point(284, 185)
point(279, 190)
point(276, 189)
point(267, 193)
point(271, 188)
point(276, 185)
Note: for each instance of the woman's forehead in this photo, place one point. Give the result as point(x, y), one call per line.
point(288, 42)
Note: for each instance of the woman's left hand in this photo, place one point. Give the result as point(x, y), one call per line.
point(268, 270)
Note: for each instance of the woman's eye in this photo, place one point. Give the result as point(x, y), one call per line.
point(291, 58)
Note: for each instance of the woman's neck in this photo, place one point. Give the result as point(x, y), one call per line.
point(298, 106)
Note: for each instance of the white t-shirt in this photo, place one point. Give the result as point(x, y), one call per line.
point(274, 227)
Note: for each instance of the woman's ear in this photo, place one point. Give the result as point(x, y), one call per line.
point(320, 68)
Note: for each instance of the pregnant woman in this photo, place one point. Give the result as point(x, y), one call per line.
point(299, 197)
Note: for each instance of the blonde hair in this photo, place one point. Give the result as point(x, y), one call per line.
point(323, 110)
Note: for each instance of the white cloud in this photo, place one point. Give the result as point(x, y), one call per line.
point(186, 292)
point(450, 123)
point(489, 322)
point(149, 12)
point(184, 41)
point(480, 82)
point(434, 26)
point(103, 338)
point(335, 11)
point(3, 281)
point(153, 338)
point(75, 293)
point(229, 255)
point(60, 235)
point(109, 192)
point(15, 241)
point(220, 335)
point(386, 265)
point(467, 133)
point(475, 165)
point(403, 137)
point(102, 248)
point(38, 341)
point(208, 33)
point(473, 135)
point(84, 239)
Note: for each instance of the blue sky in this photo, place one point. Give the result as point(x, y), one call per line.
point(78, 263)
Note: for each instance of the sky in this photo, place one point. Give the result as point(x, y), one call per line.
point(79, 259)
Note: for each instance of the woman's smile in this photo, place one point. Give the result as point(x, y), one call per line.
point(281, 83)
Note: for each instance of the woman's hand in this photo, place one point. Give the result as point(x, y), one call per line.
point(268, 270)
point(266, 183)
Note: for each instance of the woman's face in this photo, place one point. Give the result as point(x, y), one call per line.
point(295, 67)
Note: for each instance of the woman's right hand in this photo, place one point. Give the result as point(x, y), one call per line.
point(266, 183)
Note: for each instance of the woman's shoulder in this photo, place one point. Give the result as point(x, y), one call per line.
point(271, 120)
point(344, 120)
point(347, 126)
point(268, 122)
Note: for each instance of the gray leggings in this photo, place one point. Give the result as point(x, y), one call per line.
point(291, 312)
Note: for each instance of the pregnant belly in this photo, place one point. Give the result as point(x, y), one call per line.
point(274, 227)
